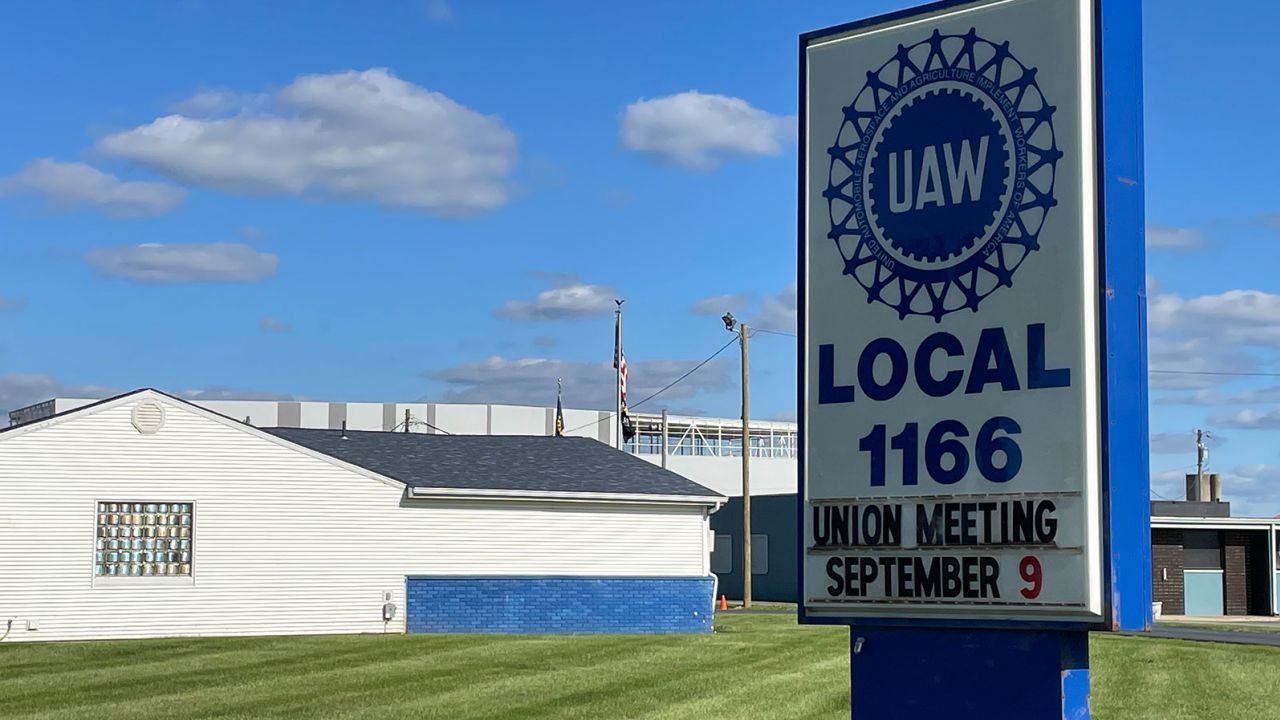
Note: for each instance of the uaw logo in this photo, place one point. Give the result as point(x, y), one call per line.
point(942, 175)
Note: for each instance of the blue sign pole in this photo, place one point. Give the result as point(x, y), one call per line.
point(1126, 454)
point(911, 657)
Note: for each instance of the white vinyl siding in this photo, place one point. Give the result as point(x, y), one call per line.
point(287, 543)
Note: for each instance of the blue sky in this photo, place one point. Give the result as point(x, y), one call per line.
point(521, 164)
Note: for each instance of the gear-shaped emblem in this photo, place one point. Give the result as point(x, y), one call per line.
point(942, 175)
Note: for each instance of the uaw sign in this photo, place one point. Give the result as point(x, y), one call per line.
point(951, 324)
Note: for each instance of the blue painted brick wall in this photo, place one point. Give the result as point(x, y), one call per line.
point(558, 605)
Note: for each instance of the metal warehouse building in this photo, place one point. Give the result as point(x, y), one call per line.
point(146, 516)
point(706, 450)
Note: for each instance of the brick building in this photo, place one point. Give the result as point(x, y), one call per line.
point(1205, 562)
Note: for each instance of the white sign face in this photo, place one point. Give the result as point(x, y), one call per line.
point(951, 418)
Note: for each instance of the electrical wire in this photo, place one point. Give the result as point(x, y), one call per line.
point(415, 421)
point(768, 331)
point(1215, 373)
point(670, 385)
point(695, 369)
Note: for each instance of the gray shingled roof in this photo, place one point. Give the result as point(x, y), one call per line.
point(496, 462)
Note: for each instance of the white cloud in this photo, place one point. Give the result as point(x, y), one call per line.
point(618, 198)
point(700, 131)
point(1181, 443)
point(718, 305)
point(274, 325)
point(1188, 363)
point(1236, 331)
point(1168, 485)
point(1248, 317)
point(69, 186)
point(438, 11)
point(567, 299)
point(1253, 490)
point(532, 381)
point(1207, 396)
point(778, 311)
point(221, 392)
point(220, 103)
point(153, 263)
point(351, 136)
point(1248, 419)
point(22, 389)
point(1164, 237)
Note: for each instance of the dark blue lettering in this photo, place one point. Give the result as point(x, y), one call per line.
point(828, 392)
point(1038, 378)
point(992, 345)
point(931, 386)
point(898, 369)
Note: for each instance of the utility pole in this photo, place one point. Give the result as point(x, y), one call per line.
point(406, 419)
point(1202, 453)
point(664, 438)
point(746, 473)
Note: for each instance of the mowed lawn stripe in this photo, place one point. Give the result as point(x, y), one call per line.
point(245, 664)
point(755, 666)
point(1139, 679)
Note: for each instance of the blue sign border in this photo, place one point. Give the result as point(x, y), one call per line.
point(1126, 509)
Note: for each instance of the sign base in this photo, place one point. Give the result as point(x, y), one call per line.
point(910, 673)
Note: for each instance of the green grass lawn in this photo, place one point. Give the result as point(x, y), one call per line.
point(755, 666)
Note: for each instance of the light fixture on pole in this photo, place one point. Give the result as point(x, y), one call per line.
point(729, 324)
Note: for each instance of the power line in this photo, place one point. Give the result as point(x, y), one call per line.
point(695, 369)
point(1212, 372)
point(413, 421)
point(784, 333)
point(670, 385)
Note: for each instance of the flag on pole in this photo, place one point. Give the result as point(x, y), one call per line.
point(559, 410)
point(628, 429)
point(620, 364)
point(617, 339)
point(622, 378)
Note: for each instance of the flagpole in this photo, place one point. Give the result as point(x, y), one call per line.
point(559, 419)
point(617, 374)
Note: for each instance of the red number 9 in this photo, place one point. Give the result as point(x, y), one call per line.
point(1031, 573)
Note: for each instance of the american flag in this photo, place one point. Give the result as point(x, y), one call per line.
point(622, 379)
point(620, 363)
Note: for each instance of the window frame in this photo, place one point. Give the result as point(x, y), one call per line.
point(135, 581)
point(728, 540)
point(761, 541)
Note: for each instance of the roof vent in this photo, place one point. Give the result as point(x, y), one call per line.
point(148, 417)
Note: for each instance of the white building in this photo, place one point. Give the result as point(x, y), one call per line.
point(705, 450)
point(147, 516)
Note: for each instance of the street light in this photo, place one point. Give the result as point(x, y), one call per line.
point(729, 323)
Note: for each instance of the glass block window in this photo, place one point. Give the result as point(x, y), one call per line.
point(138, 539)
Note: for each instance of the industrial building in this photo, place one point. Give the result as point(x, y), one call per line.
point(145, 515)
point(705, 450)
point(1204, 562)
